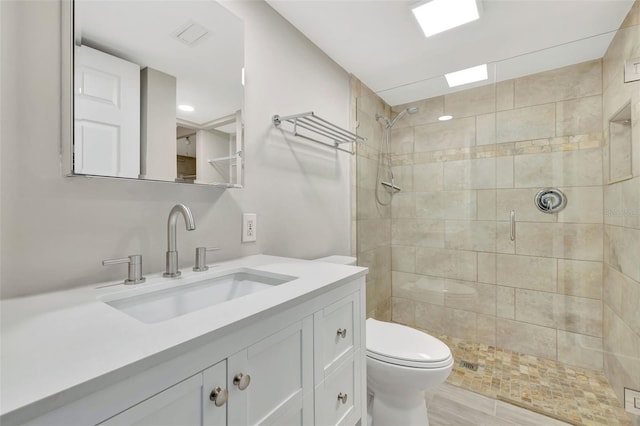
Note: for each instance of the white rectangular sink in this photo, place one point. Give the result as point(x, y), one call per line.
point(161, 305)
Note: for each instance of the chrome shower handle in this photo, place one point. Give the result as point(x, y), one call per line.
point(512, 229)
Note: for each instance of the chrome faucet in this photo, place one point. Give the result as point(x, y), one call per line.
point(172, 254)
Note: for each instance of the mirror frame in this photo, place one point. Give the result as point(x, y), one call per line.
point(67, 112)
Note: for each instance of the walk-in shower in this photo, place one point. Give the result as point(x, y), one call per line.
point(384, 157)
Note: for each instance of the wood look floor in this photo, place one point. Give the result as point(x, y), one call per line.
point(449, 405)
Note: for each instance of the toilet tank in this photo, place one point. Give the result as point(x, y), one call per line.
point(342, 260)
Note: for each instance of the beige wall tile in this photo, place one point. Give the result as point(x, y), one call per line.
point(506, 302)
point(539, 341)
point(402, 176)
point(440, 319)
point(453, 205)
point(366, 170)
point(378, 261)
point(401, 140)
point(504, 172)
point(455, 264)
point(486, 129)
point(368, 207)
point(620, 339)
point(403, 205)
point(526, 123)
point(570, 313)
point(565, 240)
point(418, 232)
point(505, 95)
point(522, 202)
point(579, 116)
point(487, 268)
point(486, 329)
point(584, 205)
point(630, 313)
point(613, 287)
point(445, 135)
point(536, 273)
point(573, 168)
point(622, 246)
point(470, 174)
point(471, 102)
point(403, 258)
point(614, 210)
point(428, 177)
point(580, 278)
point(503, 238)
point(373, 233)
point(486, 200)
point(631, 201)
point(421, 288)
point(470, 235)
point(428, 112)
point(580, 350)
point(471, 296)
point(403, 311)
point(574, 81)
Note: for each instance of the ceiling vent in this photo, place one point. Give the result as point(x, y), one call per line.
point(191, 33)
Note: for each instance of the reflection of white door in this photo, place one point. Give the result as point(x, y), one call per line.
point(106, 114)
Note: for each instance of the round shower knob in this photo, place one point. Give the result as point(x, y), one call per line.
point(550, 200)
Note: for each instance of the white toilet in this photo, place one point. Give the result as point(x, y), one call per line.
point(402, 363)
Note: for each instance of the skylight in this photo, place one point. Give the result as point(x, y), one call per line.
point(437, 16)
point(466, 76)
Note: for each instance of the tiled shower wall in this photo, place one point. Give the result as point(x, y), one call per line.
point(371, 222)
point(622, 220)
point(455, 270)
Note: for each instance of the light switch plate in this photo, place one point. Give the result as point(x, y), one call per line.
point(631, 70)
point(632, 401)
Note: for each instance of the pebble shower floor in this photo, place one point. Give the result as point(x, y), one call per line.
point(573, 395)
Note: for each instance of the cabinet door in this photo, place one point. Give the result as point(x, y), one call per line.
point(186, 403)
point(338, 398)
point(337, 334)
point(280, 390)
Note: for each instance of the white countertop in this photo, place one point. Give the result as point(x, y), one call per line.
point(53, 342)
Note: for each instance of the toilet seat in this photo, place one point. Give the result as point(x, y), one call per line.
point(401, 345)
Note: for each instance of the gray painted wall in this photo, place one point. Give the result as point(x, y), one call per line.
point(55, 231)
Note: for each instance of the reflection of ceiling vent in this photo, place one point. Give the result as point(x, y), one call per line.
point(191, 33)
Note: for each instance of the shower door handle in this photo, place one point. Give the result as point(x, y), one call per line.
point(512, 229)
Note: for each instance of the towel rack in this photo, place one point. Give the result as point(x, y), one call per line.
point(314, 126)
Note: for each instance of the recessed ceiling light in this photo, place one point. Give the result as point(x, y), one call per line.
point(466, 76)
point(437, 16)
point(186, 108)
point(445, 117)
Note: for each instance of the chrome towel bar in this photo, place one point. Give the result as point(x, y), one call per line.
point(311, 127)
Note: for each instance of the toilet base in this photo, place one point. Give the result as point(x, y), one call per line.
point(389, 409)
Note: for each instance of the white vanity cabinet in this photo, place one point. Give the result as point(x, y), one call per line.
point(298, 364)
point(185, 403)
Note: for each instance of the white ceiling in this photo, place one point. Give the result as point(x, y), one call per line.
point(381, 43)
point(208, 73)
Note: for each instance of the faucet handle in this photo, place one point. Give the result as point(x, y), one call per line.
point(201, 258)
point(135, 268)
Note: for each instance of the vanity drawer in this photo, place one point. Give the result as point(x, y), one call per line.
point(338, 397)
point(337, 334)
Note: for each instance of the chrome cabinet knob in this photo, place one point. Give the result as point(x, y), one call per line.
point(342, 397)
point(242, 381)
point(342, 332)
point(219, 396)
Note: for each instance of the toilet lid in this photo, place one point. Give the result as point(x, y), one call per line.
point(402, 345)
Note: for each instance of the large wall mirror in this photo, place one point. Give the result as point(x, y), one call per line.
point(157, 91)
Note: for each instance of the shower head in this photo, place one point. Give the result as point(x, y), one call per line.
point(389, 123)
